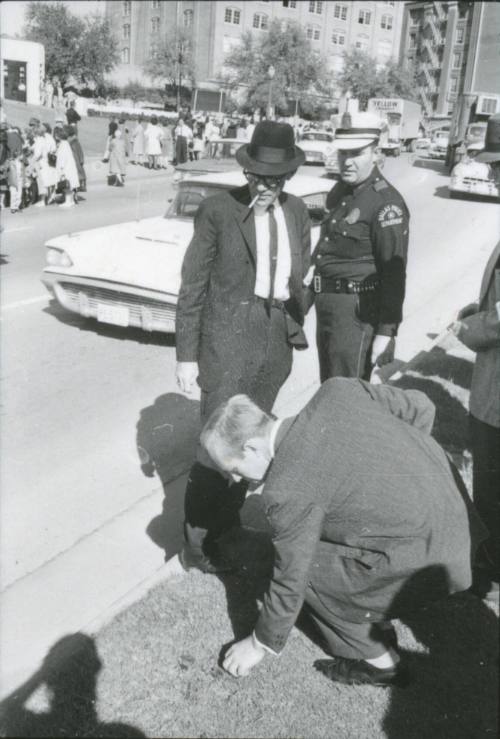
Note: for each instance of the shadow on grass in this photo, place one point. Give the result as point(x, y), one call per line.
point(167, 437)
point(69, 675)
point(452, 692)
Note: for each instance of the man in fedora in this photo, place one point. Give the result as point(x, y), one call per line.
point(478, 327)
point(360, 259)
point(240, 313)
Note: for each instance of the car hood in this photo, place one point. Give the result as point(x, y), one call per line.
point(146, 254)
point(314, 145)
point(478, 170)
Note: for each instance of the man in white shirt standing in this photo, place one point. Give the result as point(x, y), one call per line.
point(240, 313)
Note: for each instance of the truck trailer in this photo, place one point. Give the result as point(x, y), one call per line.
point(402, 120)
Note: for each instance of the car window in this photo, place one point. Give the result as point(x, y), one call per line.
point(317, 137)
point(188, 199)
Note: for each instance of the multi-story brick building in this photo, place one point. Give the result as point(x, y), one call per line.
point(332, 28)
point(441, 42)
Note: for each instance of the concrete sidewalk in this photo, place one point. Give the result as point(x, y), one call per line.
point(97, 171)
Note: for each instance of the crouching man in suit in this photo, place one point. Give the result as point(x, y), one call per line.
point(362, 503)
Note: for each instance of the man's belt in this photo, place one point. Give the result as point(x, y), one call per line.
point(322, 284)
point(274, 303)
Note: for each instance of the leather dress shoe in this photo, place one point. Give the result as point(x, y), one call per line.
point(360, 672)
point(205, 565)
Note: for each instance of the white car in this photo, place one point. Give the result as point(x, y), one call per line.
point(317, 146)
point(129, 274)
point(471, 177)
point(439, 145)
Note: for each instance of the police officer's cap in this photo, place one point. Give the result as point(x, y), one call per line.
point(357, 130)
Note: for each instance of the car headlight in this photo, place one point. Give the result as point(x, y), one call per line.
point(58, 258)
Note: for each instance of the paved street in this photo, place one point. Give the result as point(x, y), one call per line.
point(78, 397)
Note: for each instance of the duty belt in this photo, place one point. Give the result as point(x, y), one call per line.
point(322, 284)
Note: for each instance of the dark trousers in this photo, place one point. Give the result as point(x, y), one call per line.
point(212, 504)
point(485, 442)
point(344, 333)
point(181, 149)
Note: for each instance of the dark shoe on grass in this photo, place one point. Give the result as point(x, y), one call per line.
point(359, 672)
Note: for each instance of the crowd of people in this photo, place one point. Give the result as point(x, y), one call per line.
point(41, 164)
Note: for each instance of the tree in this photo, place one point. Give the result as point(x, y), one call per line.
point(358, 77)
point(300, 73)
point(74, 47)
point(363, 78)
point(173, 61)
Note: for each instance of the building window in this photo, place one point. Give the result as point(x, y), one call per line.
point(232, 15)
point(460, 36)
point(413, 41)
point(188, 18)
point(338, 38)
point(457, 58)
point(362, 42)
point(155, 4)
point(454, 84)
point(153, 51)
point(126, 55)
point(364, 17)
point(289, 3)
point(313, 33)
point(126, 31)
point(155, 25)
point(260, 21)
point(316, 6)
point(340, 11)
point(127, 6)
point(386, 22)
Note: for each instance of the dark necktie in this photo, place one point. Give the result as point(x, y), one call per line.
point(273, 255)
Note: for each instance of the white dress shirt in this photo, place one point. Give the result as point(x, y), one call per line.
point(284, 261)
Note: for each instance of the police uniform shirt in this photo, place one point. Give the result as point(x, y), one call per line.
point(365, 233)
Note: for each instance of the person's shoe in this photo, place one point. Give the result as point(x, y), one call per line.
point(360, 672)
point(205, 565)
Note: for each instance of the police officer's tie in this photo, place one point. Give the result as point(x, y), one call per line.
point(273, 256)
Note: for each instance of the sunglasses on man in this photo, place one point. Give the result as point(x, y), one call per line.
point(272, 183)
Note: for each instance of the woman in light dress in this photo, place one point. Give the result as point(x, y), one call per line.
point(167, 146)
point(138, 142)
point(44, 146)
point(66, 169)
point(153, 135)
point(117, 156)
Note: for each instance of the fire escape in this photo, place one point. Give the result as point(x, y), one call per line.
point(430, 51)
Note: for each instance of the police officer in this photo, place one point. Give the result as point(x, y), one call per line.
point(360, 259)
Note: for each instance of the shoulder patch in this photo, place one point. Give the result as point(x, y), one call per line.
point(380, 185)
point(390, 215)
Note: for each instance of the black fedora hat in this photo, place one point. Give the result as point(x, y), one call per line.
point(271, 151)
point(491, 151)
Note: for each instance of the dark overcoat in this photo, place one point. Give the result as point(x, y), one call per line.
point(361, 500)
point(218, 283)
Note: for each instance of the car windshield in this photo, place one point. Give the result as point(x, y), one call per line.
point(477, 132)
point(188, 199)
point(316, 137)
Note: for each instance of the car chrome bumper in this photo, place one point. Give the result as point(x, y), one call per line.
point(113, 303)
point(485, 189)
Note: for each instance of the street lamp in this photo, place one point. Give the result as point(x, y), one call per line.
point(270, 73)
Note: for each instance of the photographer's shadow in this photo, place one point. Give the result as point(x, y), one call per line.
point(167, 437)
point(69, 674)
point(454, 678)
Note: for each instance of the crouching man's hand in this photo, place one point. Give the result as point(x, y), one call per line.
point(243, 656)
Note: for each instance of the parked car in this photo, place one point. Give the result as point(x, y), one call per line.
point(129, 274)
point(219, 156)
point(439, 145)
point(471, 177)
point(316, 145)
